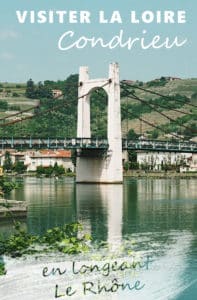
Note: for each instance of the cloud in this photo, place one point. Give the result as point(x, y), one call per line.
point(6, 56)
point(8, 34)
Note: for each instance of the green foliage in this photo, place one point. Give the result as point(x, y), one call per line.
point(40, 170)
point(132, 111)
point(132, 164)
point(49, 171)
point(176, 126)
point(126, 166)
point(7, 186)
point(127, 109)
point(3, 105)
point(191, 130)
point(131, 135)
point(155, 134)
point(64, 239)
point(175, 101)
point(2, 268)
point(18, 243)
point(58, 170)
point(14, 94)
point(40, 91)
point(30, 89)
point(8, 165)
point(61, 122)
point(158, 82)
point(19, 167)
point(43, 91)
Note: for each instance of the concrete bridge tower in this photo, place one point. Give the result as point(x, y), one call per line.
point(106, 168)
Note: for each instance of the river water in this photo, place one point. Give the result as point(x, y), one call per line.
point(155, 217)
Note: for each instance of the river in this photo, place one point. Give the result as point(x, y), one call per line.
point(159, 216)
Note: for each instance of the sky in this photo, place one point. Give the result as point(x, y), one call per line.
point(31, 50)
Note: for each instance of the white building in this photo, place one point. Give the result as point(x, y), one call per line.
point(45, 158)
point(155, 160)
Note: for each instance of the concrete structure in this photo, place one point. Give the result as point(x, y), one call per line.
point(107, 168)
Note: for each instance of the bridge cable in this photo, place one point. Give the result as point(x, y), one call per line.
point(19, 113)
point(31, 108)
point(158, 94)
point(161, 113)
point(165, 107)
point(153, 125)
point(51, 109)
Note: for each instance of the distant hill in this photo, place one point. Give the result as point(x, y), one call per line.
point(62, 122)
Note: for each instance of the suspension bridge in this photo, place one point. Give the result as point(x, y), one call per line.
point(95, 144)
point(100, 160)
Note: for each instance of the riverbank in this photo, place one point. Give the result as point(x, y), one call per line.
point(130, 173)
point(34, 174)
point(154, 174)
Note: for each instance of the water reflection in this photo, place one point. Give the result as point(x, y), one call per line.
point(51, 202)
point(110, 211)
point(159, 214)
point(159, 205)
point(99, 208)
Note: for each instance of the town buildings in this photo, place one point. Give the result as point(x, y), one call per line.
point(45, 158)
point(148, 160)
point(157, 161)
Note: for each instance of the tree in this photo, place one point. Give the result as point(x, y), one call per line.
point(133, 164)
point(58, 170)
point(155, 134)
point(19, 167)
point(131, 135)
point(43, 91)
point(8, 165)
point(30, 89)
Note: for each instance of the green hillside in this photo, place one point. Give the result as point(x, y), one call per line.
point(179, 106)
point(57, 117)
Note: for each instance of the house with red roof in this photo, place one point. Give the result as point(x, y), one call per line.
point(47, 158)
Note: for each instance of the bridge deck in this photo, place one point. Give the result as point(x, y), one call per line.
point(99, 144)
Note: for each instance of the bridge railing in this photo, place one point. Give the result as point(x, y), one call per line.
point(95, 143)
point(53, 143)
point(153, 145)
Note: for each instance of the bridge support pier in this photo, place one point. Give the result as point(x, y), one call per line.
point(107, 168)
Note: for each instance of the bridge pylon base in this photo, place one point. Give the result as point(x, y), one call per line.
point(97, 170)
